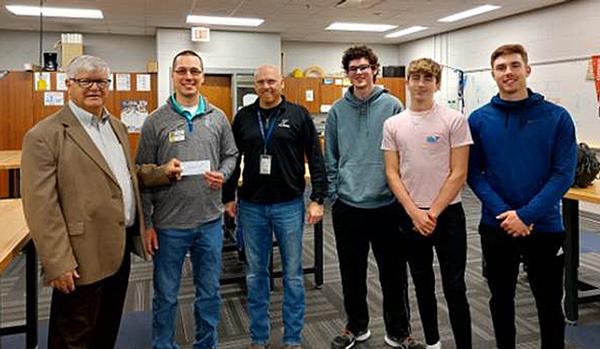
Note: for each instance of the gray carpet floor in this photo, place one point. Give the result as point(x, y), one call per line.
point(324, 313)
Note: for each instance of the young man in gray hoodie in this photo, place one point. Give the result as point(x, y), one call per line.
point(365, 212)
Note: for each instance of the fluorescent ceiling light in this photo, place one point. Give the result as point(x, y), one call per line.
point(360, 27)
point(54, 12)
point(238, 21)
point(469, 13)
point(399, 33)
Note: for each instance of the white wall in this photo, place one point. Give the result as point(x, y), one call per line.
point(559, 40)
point(226, 52)
point(124, 53)
point(328, 56)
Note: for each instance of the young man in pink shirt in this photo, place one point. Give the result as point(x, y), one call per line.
point(426, 157)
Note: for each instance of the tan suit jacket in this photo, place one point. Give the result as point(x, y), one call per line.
point(72, 201)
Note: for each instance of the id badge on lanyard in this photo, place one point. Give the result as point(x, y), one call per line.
point(265, 164)
point(266, 159)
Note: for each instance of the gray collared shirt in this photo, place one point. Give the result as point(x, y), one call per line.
point(105, 139)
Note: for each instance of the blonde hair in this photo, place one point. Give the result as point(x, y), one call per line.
point(425, 66)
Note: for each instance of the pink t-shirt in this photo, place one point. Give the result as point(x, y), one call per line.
point(423, 141)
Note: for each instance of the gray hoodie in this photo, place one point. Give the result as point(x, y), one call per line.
point(353, 159)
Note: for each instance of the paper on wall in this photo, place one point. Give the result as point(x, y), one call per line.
point(41, 81)
point(54, 98)
point(309, 95)
point(143, 82)
point(123, 82)
point(61, 83)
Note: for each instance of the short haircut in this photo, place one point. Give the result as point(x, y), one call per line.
point(358, 52)
point(187, 53)
point(508, 49)
point(425, 66)
point(86, 63)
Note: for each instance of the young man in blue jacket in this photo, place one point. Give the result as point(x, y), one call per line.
point(521, 164)
point(365, 213)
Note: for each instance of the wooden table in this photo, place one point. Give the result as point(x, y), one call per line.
point(576, 291)
point(11, 160)
point(14, 237)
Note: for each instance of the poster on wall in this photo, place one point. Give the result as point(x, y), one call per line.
point(596, 74)
point(142, 82)
point(41, 81)
point(61, 81)
point(123, 82)
point(53, 98)
point(133, 114)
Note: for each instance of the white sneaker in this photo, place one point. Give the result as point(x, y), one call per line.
point(437, 345)
point(363, 336)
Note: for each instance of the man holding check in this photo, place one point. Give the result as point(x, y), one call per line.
point(186, 215)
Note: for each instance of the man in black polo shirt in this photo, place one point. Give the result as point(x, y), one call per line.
point(275, 137)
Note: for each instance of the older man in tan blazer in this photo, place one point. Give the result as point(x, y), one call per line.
point(83, 208)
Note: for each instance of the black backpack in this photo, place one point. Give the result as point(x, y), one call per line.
point(588, 166)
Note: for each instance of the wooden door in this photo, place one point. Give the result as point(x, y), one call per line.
point(396, 87)
point(217, 89)
point(16, 115)
point(295, 91)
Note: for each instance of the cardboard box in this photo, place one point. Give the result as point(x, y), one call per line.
point(68, 52)
point(152, 67)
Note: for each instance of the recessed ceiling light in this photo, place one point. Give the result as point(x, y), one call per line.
point(399, 33)
point(54, 12)
point(237, 21)
point(360, 27)
point(469, 13)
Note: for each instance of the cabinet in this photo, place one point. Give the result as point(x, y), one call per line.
point(22, 106)
point(297, 90)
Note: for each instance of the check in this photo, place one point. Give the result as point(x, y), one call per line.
point(194, 168)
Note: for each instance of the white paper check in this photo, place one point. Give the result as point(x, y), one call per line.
point(194, 168)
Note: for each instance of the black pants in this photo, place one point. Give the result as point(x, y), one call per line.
point(356, 230)
point(540, 253)
point(89, 317)
point(450, 241)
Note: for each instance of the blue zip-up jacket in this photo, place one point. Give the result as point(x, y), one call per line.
point(523, 158)
point(353, 156)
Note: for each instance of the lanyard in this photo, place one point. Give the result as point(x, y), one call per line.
point(271, 124)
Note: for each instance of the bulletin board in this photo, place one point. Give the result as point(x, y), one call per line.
point(22, 106)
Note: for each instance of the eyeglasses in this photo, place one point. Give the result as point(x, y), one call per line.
point(360, 68)
point(193, 71)
point(87, 83)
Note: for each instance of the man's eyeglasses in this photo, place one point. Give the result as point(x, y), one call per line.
point(183, 71)
point(360, 68)
point(87, 83)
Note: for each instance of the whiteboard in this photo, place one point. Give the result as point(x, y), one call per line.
point(563, 83)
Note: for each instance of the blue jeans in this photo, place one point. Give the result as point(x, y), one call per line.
point(204, 244)
point(259, 221)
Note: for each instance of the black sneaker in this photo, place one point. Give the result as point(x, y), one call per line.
point(347, 339)
point(406, 343)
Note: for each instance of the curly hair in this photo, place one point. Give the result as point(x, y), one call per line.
point(357, 52)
